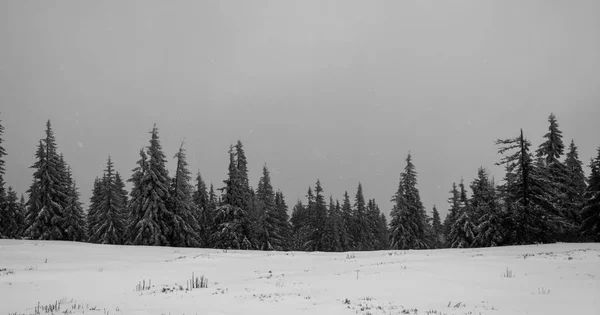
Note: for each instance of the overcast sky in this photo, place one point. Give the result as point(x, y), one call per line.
point(336, 90)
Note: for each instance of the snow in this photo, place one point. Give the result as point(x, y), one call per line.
point(102, 279)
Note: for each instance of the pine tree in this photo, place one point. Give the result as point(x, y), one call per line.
point(486, 212)
point(383, 237)
point(317, 221)
point(437, 229)
point(122, 200)
point(93, 219)
point(152, 218)
point(282, 221)
point(528, 196)
point(347, 220)
point(556, 174)
point(11, 220)
point(332, 228)
point(590, 214)
point(47, 193)
point(204, 212)
point(4, 217)
point(268, 237)
point(452, 214)
point(231, 219)
point(74, 221)
point(109, 220)
point(409, 221)
point(183, 224)
point(576, 181)
point(360, 229)
point(300, 226)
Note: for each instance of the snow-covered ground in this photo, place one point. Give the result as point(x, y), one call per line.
point(98, 279)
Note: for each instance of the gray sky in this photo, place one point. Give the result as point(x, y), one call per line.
point(339, 91)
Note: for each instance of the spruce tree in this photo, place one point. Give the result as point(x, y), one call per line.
point(409, 221)
point(74, 221)
point(47, 193)
point(11, 220)
point(152, 218)
point(383, 238)
point(3, 196)
point(590, 214)
point(93, 219)
point(577, 182)
point(437, 229)
point(282, 221)
point(347, 220)
point(109, 220)
point(317, 221)
point(204, 212)
point(528, 193)
point(231, 219)
point(123, 201)
point(452, 214)
point(183, 224)
point(267, 221)
point(487, 215)
point(360, 229)
point(300, 226)
point(332, 228)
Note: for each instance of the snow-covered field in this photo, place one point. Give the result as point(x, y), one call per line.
point(98, 279)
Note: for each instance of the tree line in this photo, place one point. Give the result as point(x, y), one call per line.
point(543, 198)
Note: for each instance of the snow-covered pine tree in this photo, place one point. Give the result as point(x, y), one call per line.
point(74, 223)
point(576, 181)
point(556, 176)
point(34, 201)
point(452, 214)
point(123, 201)
point(282, 221)
point(272, 235)
point(382, 233)
point(437, 229)
point(108, 216)
point(317, 221)
point(360, 228)
point(4, 217)
point(487, 215)
point(48, 192)
point(408, 228)
point(590, 214)
point(300, 227)
point(347, 224)
point(183, 225)
point(231, 218)
point(92, 212)
point(12, 220)
point(135, 205)
point(533, 214)
point(332, 228)
point(153, 226)
point(204, 214)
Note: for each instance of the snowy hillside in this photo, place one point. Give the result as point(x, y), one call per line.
point(79, 278)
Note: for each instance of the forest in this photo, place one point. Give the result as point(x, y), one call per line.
point(544, 197)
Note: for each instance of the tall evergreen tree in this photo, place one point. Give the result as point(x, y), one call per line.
point(11, 220)
point(300, 226)
point(535, 217)
point(47, 193)
point(151, 216)
point(452, 214)
point(3, 197)
point(231, 219)
point(92, 216)
point(317, 221)
point(332, 228)
point(109, 219)
point(590, 214)
point(486, 213)
point(437, 228)
point(204, 211)
point(576, 181)
point(282, 221)
point(347, 224)
point(183, 224)
point(409, 225)
point(267, 221)
point(360, 229)
point(74, 221)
